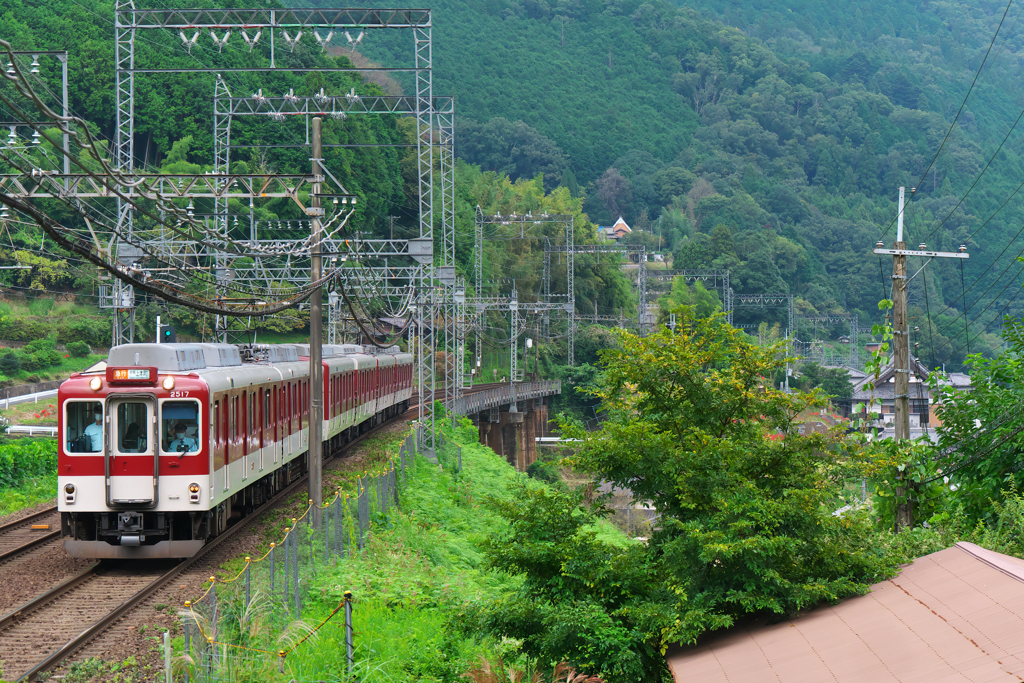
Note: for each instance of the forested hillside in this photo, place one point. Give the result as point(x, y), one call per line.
point(174, 120)
point(769, 138)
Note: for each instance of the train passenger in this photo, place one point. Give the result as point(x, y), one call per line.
point(95, 432)
point(133, 441)
point(182, 443)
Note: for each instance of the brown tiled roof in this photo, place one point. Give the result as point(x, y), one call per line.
point(954, 615)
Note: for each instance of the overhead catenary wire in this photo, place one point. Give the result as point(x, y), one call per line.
point(958, 113)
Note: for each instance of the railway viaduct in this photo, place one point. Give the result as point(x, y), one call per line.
point(509, 417)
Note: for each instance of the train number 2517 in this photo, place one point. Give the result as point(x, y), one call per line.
point(179, 394)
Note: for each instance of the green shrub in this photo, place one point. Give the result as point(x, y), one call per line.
point(40, 344)
point(28, 361)
point(23, 329)
point(10, 363)
point(543, 471)
point(78, 349)
point(92, 331)
point(40, 307)
point(26, 459)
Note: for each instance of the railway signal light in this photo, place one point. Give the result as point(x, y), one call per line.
point(168, 335)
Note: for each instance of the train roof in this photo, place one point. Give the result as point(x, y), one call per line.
point(192, 357)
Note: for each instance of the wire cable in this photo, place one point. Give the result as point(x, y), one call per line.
point(958, 113)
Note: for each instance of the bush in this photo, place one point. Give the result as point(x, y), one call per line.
point(27, 361)
point(23, 329)
point(543, 471)
point(40, 306)
point(92, 331)
point(78, 349)
point(10, 363)
point(40, 344)
point(25, 459)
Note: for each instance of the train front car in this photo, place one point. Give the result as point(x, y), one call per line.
point(134, 458)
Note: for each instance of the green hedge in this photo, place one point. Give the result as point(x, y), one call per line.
point(26, 459)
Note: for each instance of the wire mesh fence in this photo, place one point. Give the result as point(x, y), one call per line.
point(244, 628)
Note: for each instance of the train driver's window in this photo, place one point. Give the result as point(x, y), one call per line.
point(179, 427)
point(132, 427)
point(83, 424)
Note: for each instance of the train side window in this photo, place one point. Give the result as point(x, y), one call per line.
point(180, 427)
point(83, 425)
point(216, 424)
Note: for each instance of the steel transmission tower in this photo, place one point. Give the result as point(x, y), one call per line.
point(434, 281)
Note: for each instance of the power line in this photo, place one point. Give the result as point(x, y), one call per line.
point(958, 113)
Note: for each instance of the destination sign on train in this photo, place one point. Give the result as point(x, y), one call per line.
point(132, 375)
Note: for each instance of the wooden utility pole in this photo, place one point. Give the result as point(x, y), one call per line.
point(316, 368)
point(901, 363)
point(901, 338)
point(901, 345)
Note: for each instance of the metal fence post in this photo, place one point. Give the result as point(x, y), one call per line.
point(327, 539)
point(273, 546)
point(363, 513)
point(167, 656)
point(337, 524)
point(188, 637)
point(213, 606)
point(349, 649)
point(287, 562)
point(295, 575)
point(248, 582)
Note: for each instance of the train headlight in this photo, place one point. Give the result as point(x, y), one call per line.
point(168, 383)
point(193, 493)
point(95, 383)
point(69, 493)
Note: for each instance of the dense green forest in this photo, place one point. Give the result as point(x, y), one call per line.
point(768, 139)
point(173, 134)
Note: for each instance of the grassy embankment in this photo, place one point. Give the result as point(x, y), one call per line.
point(420, 567)
point(28, 474)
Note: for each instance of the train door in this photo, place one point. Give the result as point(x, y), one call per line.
point(277, 423)
point(244, 434)
point(264, 422)
point(132, 471)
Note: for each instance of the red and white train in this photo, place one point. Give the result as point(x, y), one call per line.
point(163, 446)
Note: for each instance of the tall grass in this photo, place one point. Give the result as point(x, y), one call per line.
point(28, 473)
point(420, 567)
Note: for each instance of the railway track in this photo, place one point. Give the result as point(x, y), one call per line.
point(47, 630)
point(19, 536)
point(40, 634)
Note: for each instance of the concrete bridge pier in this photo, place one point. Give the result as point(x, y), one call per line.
point(512, 435)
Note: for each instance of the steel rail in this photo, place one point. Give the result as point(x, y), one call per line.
point(95, 629)
point(28, 518)
point(33, 542)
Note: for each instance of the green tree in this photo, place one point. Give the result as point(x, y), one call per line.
point(683, 298)
point(745, 501)
point(595, 606)
point(832, 381)
point(981, 461)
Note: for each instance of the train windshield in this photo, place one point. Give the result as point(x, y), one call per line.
point(84, 426)
point(179, 422)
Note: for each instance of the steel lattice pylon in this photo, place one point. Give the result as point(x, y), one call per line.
point(576, 320)
point(853, 358)
point(547, 304)
point(719, 276)
point(434, 131)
